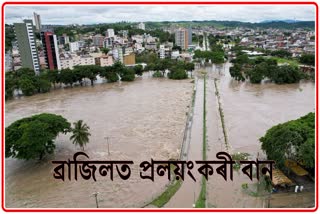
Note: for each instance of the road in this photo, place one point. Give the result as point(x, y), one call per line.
point(189, 191)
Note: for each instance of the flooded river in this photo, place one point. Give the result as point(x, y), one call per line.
point(146, 119)
point(143, 119)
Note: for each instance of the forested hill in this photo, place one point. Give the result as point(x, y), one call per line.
point(233, 24)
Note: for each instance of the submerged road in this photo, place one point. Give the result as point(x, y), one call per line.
point(189, 191)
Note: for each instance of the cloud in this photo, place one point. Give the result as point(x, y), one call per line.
point(110, 13)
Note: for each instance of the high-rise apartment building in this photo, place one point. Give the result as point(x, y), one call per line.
point(51, 51)
point(183, 37)
point(27, 45)
point(37, 21)
point(189, 36)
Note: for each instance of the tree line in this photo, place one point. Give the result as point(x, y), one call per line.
point(261, 68)
point(177, 68)
point(29, 83)
point(216, 55)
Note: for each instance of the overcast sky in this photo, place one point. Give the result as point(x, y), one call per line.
point(108, 14)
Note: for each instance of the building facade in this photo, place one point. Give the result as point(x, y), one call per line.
point(64, 39)
point(110, 33)
point(74, 47)
point(27, 45)
point(37, 21)
point(69, 61)
point(183, 38)
point(98, 40)
point(106, 60)
point(51, 51)
point(129, 59)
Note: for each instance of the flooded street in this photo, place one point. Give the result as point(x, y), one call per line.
point(143, 119)
point(189, 190)
point(249, 111)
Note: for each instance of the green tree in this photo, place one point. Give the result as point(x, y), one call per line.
point(53, 76)
point(189, 67)
point(281, 53)
point(257, 74)
point(43, 84)
point(217, 57)
point(67, 77)
point(127, 74)
point(236, 73)
point(87, 71)
point(108, 73)
point(33, 137)
point(177, 74)
point(27, 86)
point(138, 69)
point(293, 140)
point(105, 50)
point(308, 59)
point(285, 74)
point(80, 134)
point(10, 84)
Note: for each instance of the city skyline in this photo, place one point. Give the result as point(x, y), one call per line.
point(112, 14)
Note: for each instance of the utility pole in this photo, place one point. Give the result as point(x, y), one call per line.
point(96, 196)
point(107, 138)
point(108, 146)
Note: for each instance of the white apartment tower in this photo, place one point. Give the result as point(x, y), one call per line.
point(37, 21)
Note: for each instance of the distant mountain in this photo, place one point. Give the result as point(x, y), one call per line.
point(278, 20)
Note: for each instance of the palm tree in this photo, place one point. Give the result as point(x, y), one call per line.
point(80, 134)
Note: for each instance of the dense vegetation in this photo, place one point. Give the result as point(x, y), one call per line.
point(308, 59)
point(177, 68)
point(293, 140)
point(216, 55)
point(33, 137)
point(234, 24)
point(29, 83)
point(261, 68)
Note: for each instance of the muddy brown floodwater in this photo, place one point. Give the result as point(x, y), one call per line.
point(143, 119)
point(249, 111)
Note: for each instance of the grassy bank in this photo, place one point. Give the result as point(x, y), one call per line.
point(221, 115)
point(280, 60)
point(161, 200)
point(201, 201)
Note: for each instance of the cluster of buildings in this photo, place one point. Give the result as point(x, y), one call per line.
point(54, 52)
point(61, 52)
point(296, 41)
